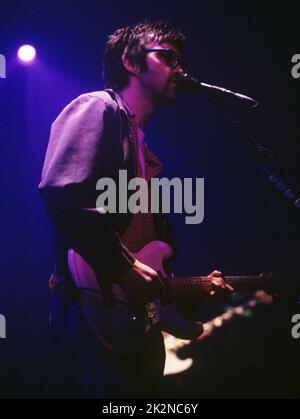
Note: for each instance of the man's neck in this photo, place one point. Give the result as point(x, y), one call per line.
point(141, 105)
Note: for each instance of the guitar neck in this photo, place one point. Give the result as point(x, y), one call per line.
point(199, 286)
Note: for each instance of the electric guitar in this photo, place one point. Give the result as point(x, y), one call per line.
point(113, 320)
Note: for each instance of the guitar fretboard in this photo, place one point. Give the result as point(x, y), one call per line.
point(200, 286)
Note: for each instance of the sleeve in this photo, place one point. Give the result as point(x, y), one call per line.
point(83, 147)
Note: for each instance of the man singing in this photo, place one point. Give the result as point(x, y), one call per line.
point(95, 136)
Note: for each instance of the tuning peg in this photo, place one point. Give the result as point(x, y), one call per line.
point(265, 170)
point(289, 194)
point(281, 186)
point(273, 178)
point(297, 203)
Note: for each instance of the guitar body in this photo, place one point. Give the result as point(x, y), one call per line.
point(112, 319)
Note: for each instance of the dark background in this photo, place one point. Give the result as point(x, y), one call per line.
point(249, 226)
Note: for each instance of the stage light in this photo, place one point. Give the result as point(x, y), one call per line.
point(26, 53)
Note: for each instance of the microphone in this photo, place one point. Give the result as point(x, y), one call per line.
point(186, 82)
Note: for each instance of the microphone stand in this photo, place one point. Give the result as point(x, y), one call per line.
point(270, 166)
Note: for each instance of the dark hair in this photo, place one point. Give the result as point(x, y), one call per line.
point(132, 42)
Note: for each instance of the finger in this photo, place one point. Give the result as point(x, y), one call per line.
point(222, 285)
point(152, 271)
point(219, 284)
point(216, 273)
point(229, 287)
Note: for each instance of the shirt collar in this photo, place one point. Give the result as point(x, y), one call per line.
point(121, 102)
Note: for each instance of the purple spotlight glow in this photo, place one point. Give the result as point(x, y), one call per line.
point(26, 53)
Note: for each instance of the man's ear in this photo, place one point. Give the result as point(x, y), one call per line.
point(132, 68)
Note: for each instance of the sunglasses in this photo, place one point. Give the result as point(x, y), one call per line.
point(170, 57)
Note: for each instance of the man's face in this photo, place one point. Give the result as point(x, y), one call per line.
point(158, 79)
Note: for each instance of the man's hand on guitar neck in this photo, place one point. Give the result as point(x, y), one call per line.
point(138, 287)
point(219, 282)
